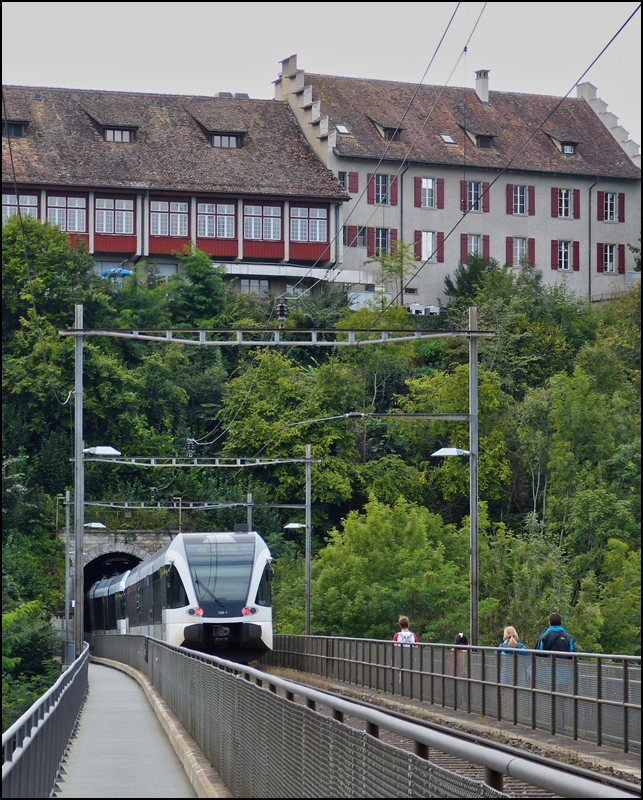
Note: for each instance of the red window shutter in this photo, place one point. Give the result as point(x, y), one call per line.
point(509, 251)
point(464, 247)
point(352, 235)
point(621, 206)
point(418, 243)
point(600, 206)
point(440, 247)
point(417, 192)
point(554, 253)
point(576, 194)
point(575, 256)
point(510, 198)
point(600, 257)
point(485, 197)
point(392, 240)
point(370, 242)
point(440, 192)
point(463, 195)
point(485, 246)
point(353, 181)
point(554, 201)
point(393, 192)
point(531, 201)
point(531, 252)
point(621, 259)
point(370, 188)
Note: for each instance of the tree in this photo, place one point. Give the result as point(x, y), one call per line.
point(395, 265)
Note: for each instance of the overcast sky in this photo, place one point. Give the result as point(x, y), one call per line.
point(204, 48)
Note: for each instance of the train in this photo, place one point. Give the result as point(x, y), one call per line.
point(210, 592)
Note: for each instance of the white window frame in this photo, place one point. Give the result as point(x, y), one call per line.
point(114, 215)
point(169, 218)
point(429, 192)
point(68, 213)
point(122, 135)
point(215, 220)
point(474, 192)
point(564, 255)
point(382, 241)
point(474, 244)
point(609, 258)
point(520, 199)
point(262, 223)
point(610, 207)
point(27, 203)
point(381, 189)
point(564, 203)
point(520, 250)
point(226, 141)
point(429, 246)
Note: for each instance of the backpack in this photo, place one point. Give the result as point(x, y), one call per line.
point(558, 640)
point(405, 636)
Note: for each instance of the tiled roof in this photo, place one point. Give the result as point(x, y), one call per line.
point(172, 151)
point(510, 117)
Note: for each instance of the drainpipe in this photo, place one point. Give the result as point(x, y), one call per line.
point(402, 227)
point(589, 236)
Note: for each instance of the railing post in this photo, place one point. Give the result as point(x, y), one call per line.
point(626, 699)
point(575, 700)
point(599, 705)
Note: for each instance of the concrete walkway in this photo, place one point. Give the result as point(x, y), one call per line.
point(121, 749)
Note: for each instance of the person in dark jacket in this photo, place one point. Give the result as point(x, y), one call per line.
point(555, 638)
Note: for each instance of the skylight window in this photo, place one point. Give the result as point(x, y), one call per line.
point(341, 128)
point(447, 138)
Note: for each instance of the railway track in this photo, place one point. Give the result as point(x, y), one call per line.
point(609, 776)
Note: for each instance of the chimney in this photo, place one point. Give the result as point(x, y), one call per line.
point(482, 85)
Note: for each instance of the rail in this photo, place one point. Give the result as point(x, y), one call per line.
point(589, 696)
point(33, 747)
point(262, 735)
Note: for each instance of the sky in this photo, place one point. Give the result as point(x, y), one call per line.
point(204, 48)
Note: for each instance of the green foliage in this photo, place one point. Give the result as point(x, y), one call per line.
point(391, 560)
point(395, 266)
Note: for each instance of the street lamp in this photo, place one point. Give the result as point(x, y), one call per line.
point(293, 526)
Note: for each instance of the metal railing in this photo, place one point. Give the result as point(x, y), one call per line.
point(264, 737)
point(33, 748)
point(588, 696)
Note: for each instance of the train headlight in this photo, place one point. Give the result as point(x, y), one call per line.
point(248, 610)
point(198, 612)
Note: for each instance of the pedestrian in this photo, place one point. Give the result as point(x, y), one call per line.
point(461, 641)
point(404, 636)
point(509, 645)
point(556, 641)
point(555, 638)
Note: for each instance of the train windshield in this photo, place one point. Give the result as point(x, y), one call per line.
point(221, 568)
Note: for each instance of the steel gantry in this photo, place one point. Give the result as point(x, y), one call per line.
point(276, 337)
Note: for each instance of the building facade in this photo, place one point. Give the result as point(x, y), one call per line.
point(139, 177)
point(515, 177)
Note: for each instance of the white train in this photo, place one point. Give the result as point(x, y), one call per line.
point(206, 591)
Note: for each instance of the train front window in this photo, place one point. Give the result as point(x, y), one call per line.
point(221, 571)
point(175, 592)
point(264, 592)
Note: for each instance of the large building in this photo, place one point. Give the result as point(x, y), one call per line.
point(517, 177)
point(308, 188)
point(140, 177)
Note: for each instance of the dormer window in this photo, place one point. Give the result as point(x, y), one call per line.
point(569, 148)
point(125, 135)
point(392, 134)
point(14, 130)
point(447, 138)
point(226, 141)
point(484, 142)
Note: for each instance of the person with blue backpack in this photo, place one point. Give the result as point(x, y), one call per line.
point(555, 638)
